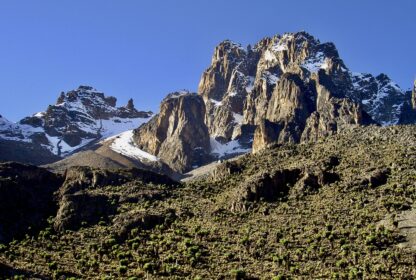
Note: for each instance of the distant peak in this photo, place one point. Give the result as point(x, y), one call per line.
point(230, 45)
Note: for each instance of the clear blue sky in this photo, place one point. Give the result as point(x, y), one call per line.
point(146, 49)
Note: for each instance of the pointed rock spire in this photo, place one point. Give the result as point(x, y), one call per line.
point(130, 104)
point(61, 98)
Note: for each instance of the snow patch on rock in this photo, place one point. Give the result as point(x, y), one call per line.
point(124, 144)
point(232, 147)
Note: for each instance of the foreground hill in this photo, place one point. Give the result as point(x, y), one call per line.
point(338, 208)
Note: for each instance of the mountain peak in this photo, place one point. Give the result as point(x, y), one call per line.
point(86, 88)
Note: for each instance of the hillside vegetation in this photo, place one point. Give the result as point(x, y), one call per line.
point(324, 210)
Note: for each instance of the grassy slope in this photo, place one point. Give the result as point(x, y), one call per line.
point(333, 232)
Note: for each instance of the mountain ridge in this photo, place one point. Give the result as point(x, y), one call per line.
point(285, 88)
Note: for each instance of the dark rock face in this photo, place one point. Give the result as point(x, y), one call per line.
point(178, 134)
point(332, 114)
point(26, 199)
point(82, 209)
point(299, 112)
point(378, 178)
point(268, 187)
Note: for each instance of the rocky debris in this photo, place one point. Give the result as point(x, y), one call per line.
point(82, 209)
point(26, 199)
point(178, 134)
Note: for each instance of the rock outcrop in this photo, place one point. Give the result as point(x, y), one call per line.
point(266, 134)
point(224, 86)
point(178, 134)
point(264, 186)
point(80, 205)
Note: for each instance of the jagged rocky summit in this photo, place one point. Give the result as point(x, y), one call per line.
point(79, 118)
point(287, 88)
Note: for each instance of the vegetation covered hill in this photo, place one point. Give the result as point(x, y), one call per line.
point(330, 209)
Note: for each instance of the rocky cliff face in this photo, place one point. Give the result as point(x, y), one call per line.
point(298, 84)
point(287, 88)
point(78, 118)
point(178, 134)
